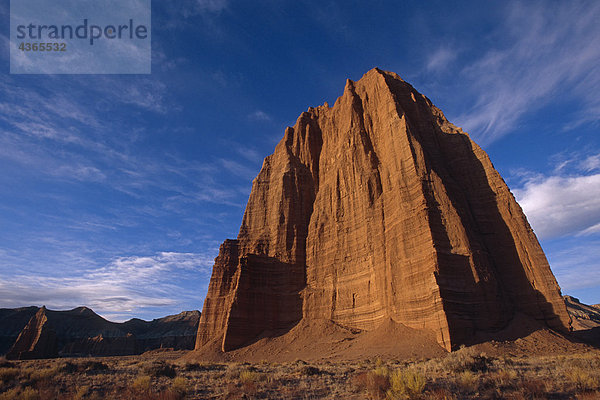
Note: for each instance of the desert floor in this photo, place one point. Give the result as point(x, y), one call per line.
point(464, 374)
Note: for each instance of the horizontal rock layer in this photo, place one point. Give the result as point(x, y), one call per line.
point(374, 209)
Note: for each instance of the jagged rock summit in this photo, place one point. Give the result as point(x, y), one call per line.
point(378, 212)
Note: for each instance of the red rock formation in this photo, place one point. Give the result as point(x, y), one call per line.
point(36, 340)
point(378, 208)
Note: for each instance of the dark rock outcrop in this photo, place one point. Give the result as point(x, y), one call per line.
point(82, 332)
point(12, 321)
point(36, 340)
point(379, 209)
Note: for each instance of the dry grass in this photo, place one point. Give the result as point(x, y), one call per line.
point(406, 383)
point(464, 374)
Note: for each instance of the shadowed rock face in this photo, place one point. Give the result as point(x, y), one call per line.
point(378, 208)
point(12, 321)
point(36, 340)
point(82, 332)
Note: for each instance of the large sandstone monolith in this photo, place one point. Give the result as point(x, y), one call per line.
point(374, 209)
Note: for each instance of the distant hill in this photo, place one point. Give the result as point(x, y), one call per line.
point(33, 332)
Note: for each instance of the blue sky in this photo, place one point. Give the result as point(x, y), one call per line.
point(116, 190)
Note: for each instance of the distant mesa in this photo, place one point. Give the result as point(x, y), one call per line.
point(377, 221)
point(32, 333)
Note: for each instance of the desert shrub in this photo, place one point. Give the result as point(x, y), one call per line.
point(160, 368)
point(467, 381)
point(381, 370)
point(180, 386)
point(406, 384)
point(508, 360)
point(249, 380)
point(8, 374)
point(582, 379)
point(166, 395)
point(88, 367)
point(309, 370)
point(204, 367)
point(506, 378)
point(466, 359)
point(533, 388)
point(142, 384)
point(29, 393)
point(12, 394)
point(375, 384)
point(81, 393)
point(479, 363)
point(441, 394)
point(251, 376)
point(69, 367)
point(590, 363)
point(43, 375)
point(93, 366)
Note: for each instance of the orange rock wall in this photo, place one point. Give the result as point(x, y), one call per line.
point(378, 208)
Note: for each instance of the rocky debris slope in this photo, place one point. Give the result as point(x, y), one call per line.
point(378, 209)
point(82, 332)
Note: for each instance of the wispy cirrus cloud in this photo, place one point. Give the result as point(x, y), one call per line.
point(440, 59)
point(260, 116)
point(124, 288)
point(147, 94)
point(541, 49)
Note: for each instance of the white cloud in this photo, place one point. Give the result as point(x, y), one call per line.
point(260, 116)
point(590, 231)
point(591, 163)
point(440, 59)
point(543, 49)
point(125, 287)
point(79, 172)
point(561, 205)
point(148, 94)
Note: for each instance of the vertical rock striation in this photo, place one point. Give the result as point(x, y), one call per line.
point(374, 209)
